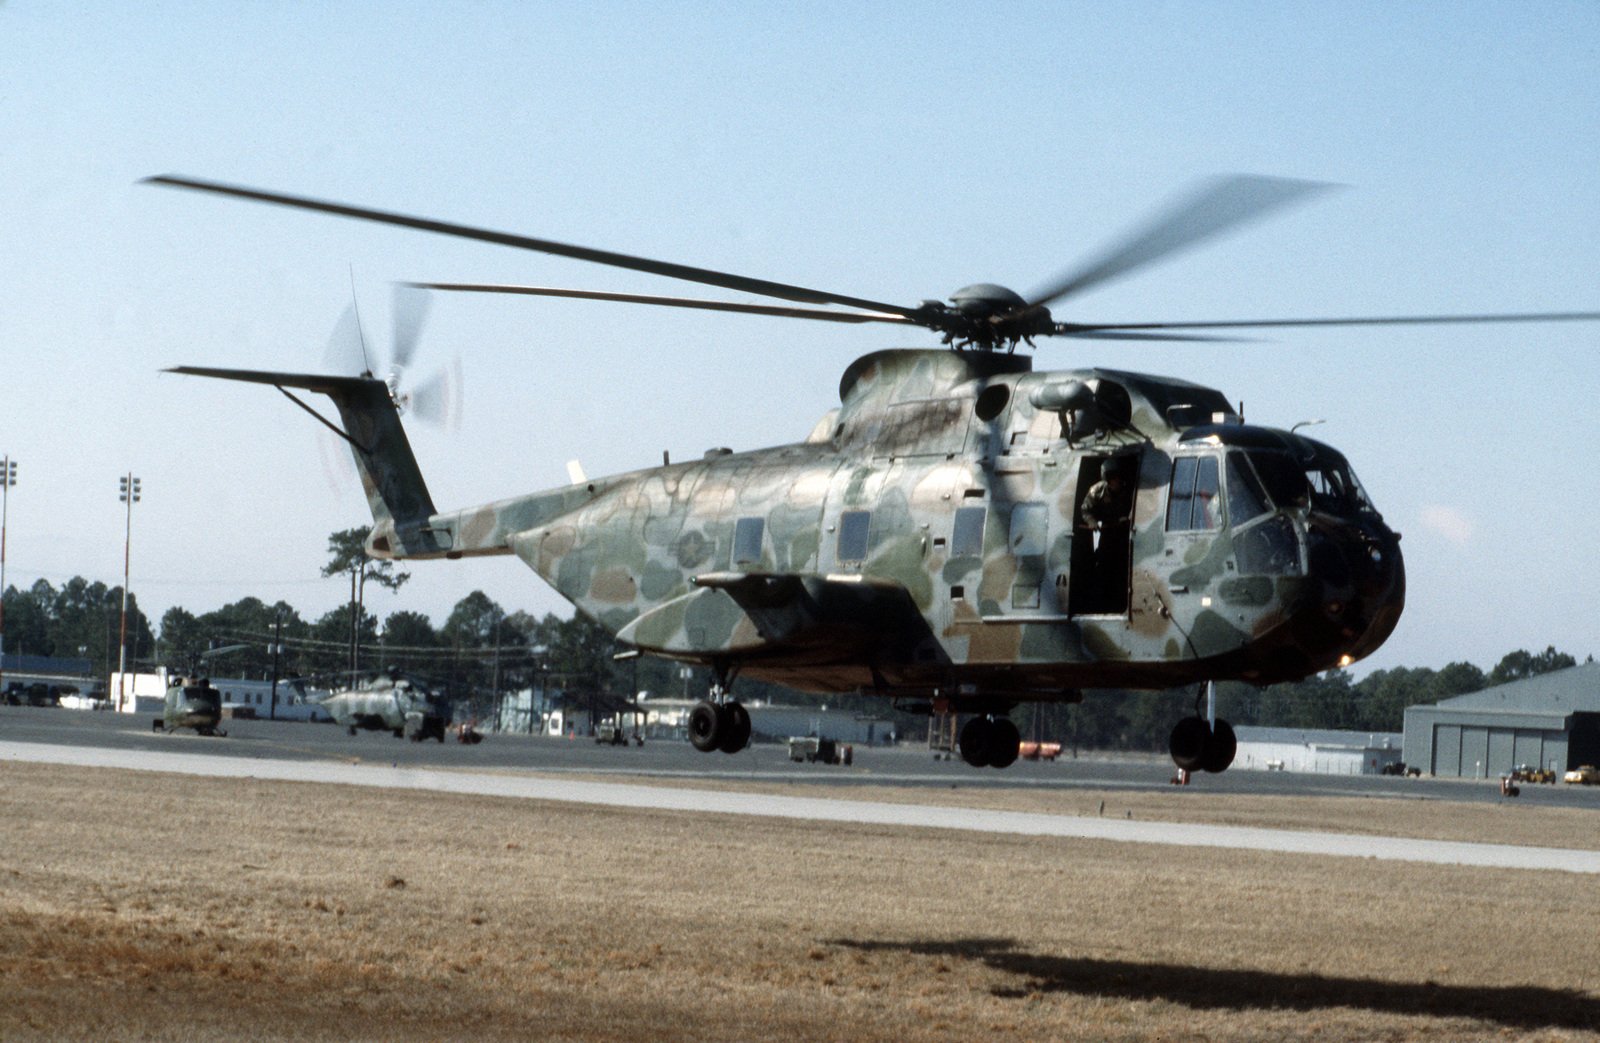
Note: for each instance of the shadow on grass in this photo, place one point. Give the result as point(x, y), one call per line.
point(1208, 988)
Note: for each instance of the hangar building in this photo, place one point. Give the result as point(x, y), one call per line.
point(1319, 750)
point(1548, 721)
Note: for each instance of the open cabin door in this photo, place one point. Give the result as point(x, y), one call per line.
point(1102, 535)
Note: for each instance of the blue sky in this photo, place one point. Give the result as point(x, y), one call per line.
point(896, 153)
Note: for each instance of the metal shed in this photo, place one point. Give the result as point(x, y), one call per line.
point(1319, 750)
point(1550, 721)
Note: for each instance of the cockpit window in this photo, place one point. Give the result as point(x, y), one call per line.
point(1192, 503)
point(1246, 498)
point(1323, 482)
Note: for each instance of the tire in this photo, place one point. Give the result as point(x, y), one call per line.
point(352, 729)
point(1221, 745)
point(974, 742)
point(1004, 743)
point(707, 725)
point(1187, 744)
point(737, 722)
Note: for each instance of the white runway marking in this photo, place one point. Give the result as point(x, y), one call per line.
point(817, 809)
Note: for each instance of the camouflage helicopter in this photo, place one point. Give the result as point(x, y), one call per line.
point(962, 534)
point(392, 702)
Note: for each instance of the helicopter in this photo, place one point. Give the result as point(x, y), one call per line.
point(191, 702)
point(392, 702)
point(963, 534)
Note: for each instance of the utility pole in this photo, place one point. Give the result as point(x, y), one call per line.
point(130, 496)
point(8, 478)
point(277, 648)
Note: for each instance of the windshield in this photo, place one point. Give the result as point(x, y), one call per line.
point(1323, 482)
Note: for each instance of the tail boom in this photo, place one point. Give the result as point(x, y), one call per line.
point(402, 510)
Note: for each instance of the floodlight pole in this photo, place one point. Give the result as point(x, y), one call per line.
point(129, 496)
point(8, 478)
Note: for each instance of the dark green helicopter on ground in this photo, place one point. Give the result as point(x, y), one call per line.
point(191, 702)
point(962, 534)
point(391, 702)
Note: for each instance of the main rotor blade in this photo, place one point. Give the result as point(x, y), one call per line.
point(1077, 329)
point(672, 302)
point(1217, 206)
point(1108, 333)
point(726, 280)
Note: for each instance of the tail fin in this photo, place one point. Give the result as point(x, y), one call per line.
point(370, 423)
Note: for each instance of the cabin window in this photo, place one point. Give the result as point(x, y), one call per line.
point(1192, 503)
point(1246, 498)
point(966, 539)
point(1029, 522)
point(747, 541)
point(853, 530)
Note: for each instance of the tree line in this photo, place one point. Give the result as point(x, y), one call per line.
point(481, 650)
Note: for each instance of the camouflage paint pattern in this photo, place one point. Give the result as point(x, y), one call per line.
point(835, 564)
point(387, 704)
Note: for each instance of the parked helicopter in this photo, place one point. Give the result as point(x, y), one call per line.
point(191, 702)
point(392, 702)
point(962, 533)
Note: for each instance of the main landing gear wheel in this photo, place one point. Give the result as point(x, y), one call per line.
point(990, 742)
point(737, 736)
point(1196, 747)
point(719, 726)
point(706, 726)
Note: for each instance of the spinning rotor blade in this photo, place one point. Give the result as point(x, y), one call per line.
point(1220, 205)
point(346, 353)
point(673, 302)
point(410, 312)
point(1112, 331)
point(437, 400)
point(726, 280)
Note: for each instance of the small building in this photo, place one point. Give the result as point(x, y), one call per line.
point(1549, 721)
point(295, 702)
point(138, 693)
point(782, 722)
point(1322, 751)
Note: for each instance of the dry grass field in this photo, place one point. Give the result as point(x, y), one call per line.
point(145, 906)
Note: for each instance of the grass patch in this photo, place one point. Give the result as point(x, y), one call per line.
point(136, 905)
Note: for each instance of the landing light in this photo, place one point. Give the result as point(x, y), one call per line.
point(1345, 661)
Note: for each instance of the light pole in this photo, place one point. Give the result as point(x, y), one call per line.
point(129, 496)
point(8, 478)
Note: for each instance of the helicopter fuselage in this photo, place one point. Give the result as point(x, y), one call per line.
point(931, 536)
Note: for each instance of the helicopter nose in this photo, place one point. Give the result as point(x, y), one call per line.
point(1380, 578)
point(1358, 595)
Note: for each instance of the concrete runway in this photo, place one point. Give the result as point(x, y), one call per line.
point(325, 754)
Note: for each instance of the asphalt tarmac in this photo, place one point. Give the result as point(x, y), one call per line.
point(763, 762)
point(301, 752)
